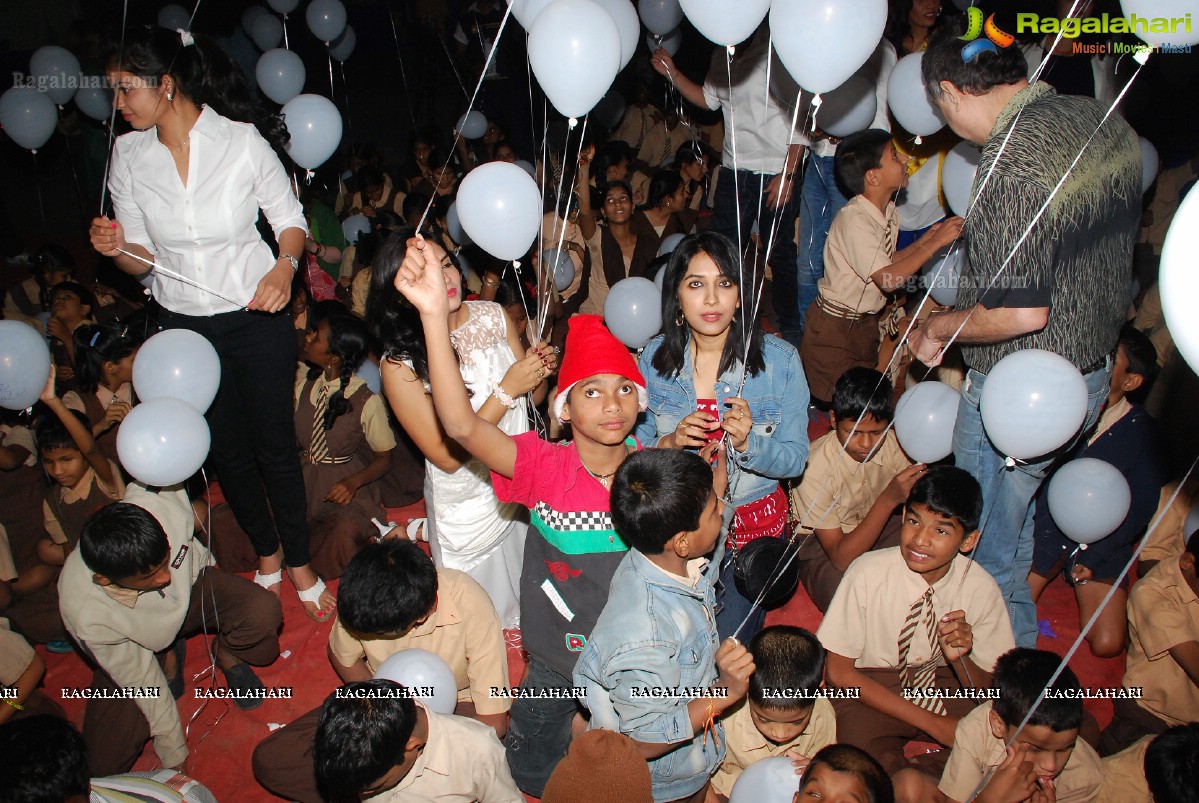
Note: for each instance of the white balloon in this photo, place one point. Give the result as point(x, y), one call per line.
point(660, 16)
point(723, 22)
point(526, 11)
point(849, 108)
point(27, 116)
point(326, 19)
point(527, 166)
point(957, 176)
point(574, 49)
point(266, 31)
point(471, 125)
point(823, 42)
point(174, 17)
point(280, 74)
point(627, 24)
point(163, 441)
point(368, 372)
point(767, 781)
point(177, 364)
point(355, 227)
point(57, 69)
point(561, 265)
point(453, 226)
point(315, 128)
point(1181, 36)
point(609, 111)
point(1178, 277)
point(1033, 402)
point(426, 674)
point(93, 99)
point(909, 101)
point(1088, 499)
point(343, 46)
point(670, 42)
point(669, 243)
point(250, 15)
point(1149, 164)
point(660, 279)
point(283, 6)
point(24, 365)
point(943, 273)
point(633, 311)
point(499, 206)
point(924, 421)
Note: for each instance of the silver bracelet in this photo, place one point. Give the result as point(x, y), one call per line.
point(504, 398)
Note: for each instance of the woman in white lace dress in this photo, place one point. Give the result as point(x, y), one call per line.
point(467, 528)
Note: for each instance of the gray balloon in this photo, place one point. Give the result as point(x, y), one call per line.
point(1088, 499)
point(633, 311)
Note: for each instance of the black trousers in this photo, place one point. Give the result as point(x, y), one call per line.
point(254, 447)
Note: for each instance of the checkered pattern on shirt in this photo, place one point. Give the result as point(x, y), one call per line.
point(574, 520)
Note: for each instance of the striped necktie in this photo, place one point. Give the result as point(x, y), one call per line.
point(318, 450)
point(922, 677)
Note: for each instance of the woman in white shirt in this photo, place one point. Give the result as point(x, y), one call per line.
point(186, 186)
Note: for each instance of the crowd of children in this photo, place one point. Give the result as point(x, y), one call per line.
point(612, 563)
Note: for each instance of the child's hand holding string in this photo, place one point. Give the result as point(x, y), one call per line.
point(420, 278)
point(955, 635)
point(1014, 780)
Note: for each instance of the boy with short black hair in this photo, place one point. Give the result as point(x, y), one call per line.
point(571, 551)
point(860, 263)
point(913, 619)
point(656, 641)
point(782, 714)
point(391, 598)
point(373, 742)
point(857, 475)
point(996, 759)
point(1172, 763)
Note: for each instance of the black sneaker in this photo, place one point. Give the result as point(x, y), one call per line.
point(245, 685)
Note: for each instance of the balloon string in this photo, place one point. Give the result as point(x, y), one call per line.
point(181, 278)
point(329, 56)
point(345, 88)
point(400, 58)
point(112, 115)
point(454, 66)
point(286, 44)
point(37, 180)
point(469, 106)
point(74, 173)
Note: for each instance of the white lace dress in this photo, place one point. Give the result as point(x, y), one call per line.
point(469, 529)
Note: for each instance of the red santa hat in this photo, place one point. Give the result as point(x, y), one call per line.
point(590, 350)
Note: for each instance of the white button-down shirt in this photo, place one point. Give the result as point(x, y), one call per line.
point(204, 230)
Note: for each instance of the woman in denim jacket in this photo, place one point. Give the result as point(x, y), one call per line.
point(693, 374)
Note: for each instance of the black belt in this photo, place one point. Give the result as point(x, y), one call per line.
point(1099, 364)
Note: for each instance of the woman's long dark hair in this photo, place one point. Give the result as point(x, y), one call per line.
point(202, 71)
point(350, 340)
point(96, 344)
point(394, 321)
point(668, 359)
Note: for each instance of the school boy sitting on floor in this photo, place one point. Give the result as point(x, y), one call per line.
point(1000, 762)
point(1163, 652)
point(392, 598)
point(913, 619)
point(857, 476)
point(656, 639)
point(572, 551)
point(781, 714)
point(860, 263)
point(375, 743)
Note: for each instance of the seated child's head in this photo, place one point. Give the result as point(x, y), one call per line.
point(366, 745)
point(45, 759)
point(1172, 764)
point(841, 773)
point(387, 589)
point(103, 355)
point(662, 501)
point(71, 302)
point(61, 458)
point(1188, 562)
point(940, 519)
point(1020, 675)
point(787, 660)
point(1135, 367)
point(600, 389)
point(124, 545)
point(862, 410)
point(868, 160)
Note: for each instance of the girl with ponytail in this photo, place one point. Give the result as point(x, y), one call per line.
point(187, 185)
point(346, 442)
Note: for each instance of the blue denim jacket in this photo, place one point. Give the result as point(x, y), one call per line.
point(778, 401)
point(655, 633)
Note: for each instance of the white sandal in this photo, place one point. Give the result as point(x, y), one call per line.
point(268, 580)
point(416, 530)
point(312, 595)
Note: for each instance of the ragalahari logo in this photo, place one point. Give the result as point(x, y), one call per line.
point(995, 36)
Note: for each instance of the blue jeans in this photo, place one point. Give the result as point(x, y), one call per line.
point(538, 729)
point(819, 204)
point(1006, 546)
point(744, 190)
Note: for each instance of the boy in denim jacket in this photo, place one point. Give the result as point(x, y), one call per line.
point(651, 669)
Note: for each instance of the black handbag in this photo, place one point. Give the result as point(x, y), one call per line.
point(760, 565)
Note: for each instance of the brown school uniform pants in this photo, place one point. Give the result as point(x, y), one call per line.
point(249, 618)
point(885, 737)
point(1129, 723)
point(283, 762)
point(832, 345)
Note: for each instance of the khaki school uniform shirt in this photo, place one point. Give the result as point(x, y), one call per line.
point(8, 569)
point(464, 631)
point(15, 655)
point(1168, 539)
point(462, 762)
point(1163, 612)
point(976, 753)
point(837, 491)
point(19, 436)
point(70, 496)
point(122, 629)
point(861, 240)
point(873, 600)
point(746, 745)
point(375, 425)
point(1124, 774)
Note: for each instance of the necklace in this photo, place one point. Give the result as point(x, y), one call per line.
point(178, 147)
point(603, 479)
